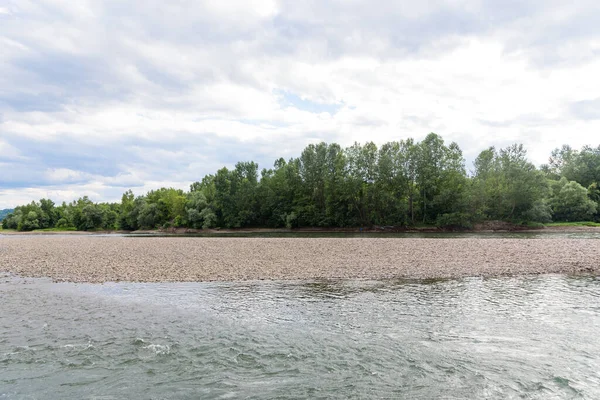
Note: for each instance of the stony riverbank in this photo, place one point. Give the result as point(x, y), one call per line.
point(103, 259)
point(487, 227)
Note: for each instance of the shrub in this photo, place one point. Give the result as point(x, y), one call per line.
point(539, 212)
point(455, 220)
point(570, 202)
point(62, 223)
point(290, 220)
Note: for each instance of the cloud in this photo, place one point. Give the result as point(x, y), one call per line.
point(587, 110)
point(287, 99)
point(98, 97)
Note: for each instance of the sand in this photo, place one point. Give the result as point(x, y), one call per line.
point(165, 259)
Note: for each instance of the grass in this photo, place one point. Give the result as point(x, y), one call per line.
point(578, 223)
point(534, 225)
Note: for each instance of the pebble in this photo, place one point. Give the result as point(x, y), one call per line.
point(168, 259)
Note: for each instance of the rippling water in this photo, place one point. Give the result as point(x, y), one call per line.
point(521, 337)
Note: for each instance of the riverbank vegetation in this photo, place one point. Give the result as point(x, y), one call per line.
point(398, 184)
point(574, 224)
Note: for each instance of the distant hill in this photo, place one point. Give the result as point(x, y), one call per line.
point(4, 213)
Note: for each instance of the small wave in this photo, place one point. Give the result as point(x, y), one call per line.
point(20, 350)
point(80, 346)
point(159, 349)
point(565, 383)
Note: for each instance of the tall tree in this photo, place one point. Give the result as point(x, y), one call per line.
point(570, 202)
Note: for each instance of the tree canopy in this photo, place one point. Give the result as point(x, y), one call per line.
point(400, 183)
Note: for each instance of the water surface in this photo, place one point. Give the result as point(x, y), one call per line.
point(518, 337)
point(388, 235)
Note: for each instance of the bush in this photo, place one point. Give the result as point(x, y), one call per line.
point(178, 222)
point(62, 223)
point(539, 212)
point(291, 220)
point(455, 220)
point(209, 217)
point(570, 202)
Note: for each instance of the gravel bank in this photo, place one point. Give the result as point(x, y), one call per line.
point(103, 259)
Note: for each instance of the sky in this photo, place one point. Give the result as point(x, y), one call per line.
point(98, 97)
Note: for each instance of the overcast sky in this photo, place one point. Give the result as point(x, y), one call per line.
point(97, 97)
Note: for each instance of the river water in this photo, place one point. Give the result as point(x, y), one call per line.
point(512, 337)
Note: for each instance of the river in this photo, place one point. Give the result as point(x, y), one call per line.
point(533, 337)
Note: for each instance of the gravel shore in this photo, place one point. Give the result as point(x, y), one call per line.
point(103, 259)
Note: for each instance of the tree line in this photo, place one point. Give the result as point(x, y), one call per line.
point(402, 183)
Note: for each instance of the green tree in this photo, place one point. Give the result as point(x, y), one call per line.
point(508, 187)
point(48, 214)
point(25, 217)
point(91, 217)
point(278, 193)
point(235, 195)
point(29, 222)
point(11, 221)
point(127, 219)
point(570, 201)
point(196, 203)
point(110, 215)
point(149, 215)
point(441, 177)
point(391, 187)
point(398, 183)
point(360, 183)
point(311, 204)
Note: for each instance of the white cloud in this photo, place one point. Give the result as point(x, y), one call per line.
point(110, 95)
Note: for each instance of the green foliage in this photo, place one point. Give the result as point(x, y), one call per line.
point(400, 183)
point(209, 218)
point(507, 187)
point(581, 166)
point(29, 222)
point(199, 213)
point(575, 223)
point(11, 221)
point(62, 223)
point(570, 201)
point(127, 218)
point(30, 216)
point(236, 195)
point(290, 220)
point(540, 212)
point(110, 217)
point(455, 220)
point(149, 216)
point(440, 177)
